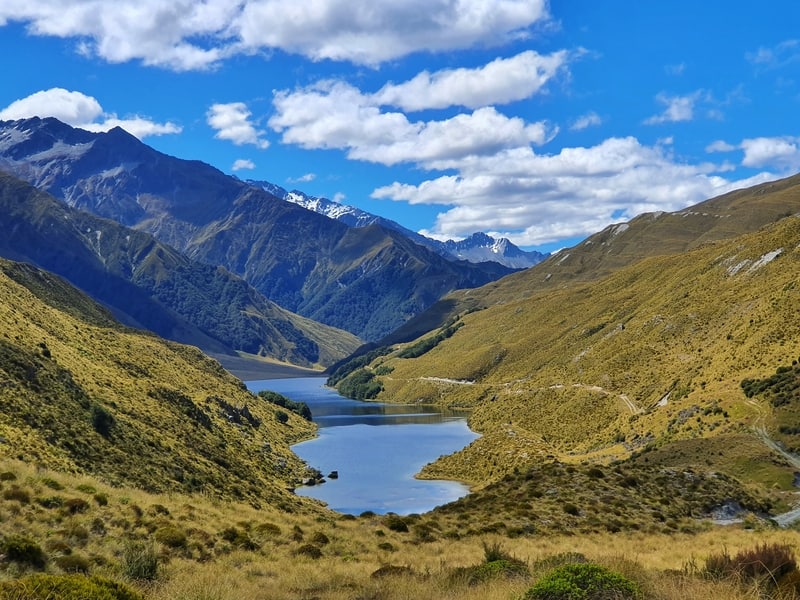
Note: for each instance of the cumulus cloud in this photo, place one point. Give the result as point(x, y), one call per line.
point(676, 108)
point(79, 110)
point(783, 152)
point(241, 164)
point(540, 198)
point(336, 115)
point(232, 122)
point(501, 81)
point(198, 34)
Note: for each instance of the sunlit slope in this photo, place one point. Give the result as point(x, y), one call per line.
point(654, 352)
point(81, 393)
point(650, 234)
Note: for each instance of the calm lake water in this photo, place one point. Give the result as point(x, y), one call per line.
point(376, 448)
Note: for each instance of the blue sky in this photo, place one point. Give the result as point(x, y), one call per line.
point(539, 121)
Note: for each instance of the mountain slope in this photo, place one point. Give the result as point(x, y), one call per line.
point(151, 285)
point(280, 248)
point(651, 355)
point(476, 248)
point(649, 234)
point(82, 393)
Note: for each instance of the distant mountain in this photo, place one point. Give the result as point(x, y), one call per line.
point(150, 285)
point(366, 280)
point(477, 248)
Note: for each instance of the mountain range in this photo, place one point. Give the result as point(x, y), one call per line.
point(366, 280)
point(477, 248)
point(150, 285)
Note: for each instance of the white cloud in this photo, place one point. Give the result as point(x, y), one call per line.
point(241, 164)
point(79, 110)
point(541, 198)
point(336, 115)
point(720, 146)
point(677, 108)
point(501, 81)
point(677, 69)
point(781, 152)
point(369, 32)
point(590, 119)
point(232, 123)
point(192, 34)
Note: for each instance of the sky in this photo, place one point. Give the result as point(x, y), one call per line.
point(538, 121)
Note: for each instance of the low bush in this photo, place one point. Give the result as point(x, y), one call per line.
point(73, 563)
point(767, 562)
point(309, 550)
point(583, 581)
point(49, 587)
point(139, 561)
point(23, 551)
point(171, 537)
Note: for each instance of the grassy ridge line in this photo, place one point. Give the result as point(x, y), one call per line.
point(87, 395)
point(670, 336)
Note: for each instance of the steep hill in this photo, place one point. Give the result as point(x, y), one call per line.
point(649, 234)
point(649, 356)
point(151, 285)
point(81, 393)
point(282, 249)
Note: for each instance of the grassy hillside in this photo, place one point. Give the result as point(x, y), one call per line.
point(82, 394)
point(647, 235)
point(651, 356)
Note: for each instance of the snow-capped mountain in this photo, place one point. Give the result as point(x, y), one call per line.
point(477, 248)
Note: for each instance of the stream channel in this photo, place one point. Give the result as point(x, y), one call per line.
point(375, 448)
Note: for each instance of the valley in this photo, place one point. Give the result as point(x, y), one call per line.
point(630, 394)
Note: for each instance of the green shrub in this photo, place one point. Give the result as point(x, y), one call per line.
point(86, 488)
point(171, 537)
point(7, 476)
point(396, 523)
point(24, 551)
point(73, 563)
point(583, 581)
point(139, 560)
point(52, 484)
point(76, 505)
point(281, 416)
point(50, 501)
point(101, 499)
point(320, 538)
point(66, 587)
point(309, 550)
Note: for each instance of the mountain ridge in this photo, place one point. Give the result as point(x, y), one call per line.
point(150, 285)
point(278, 247)
point(478, 247)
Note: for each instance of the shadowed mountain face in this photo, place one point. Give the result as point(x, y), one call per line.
point(148, 284)
point(367, 280)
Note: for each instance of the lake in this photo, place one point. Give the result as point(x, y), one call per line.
point(376, 449)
